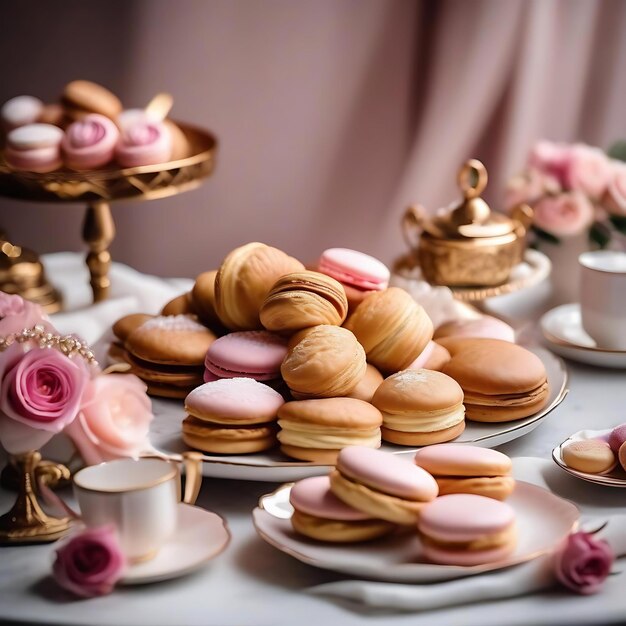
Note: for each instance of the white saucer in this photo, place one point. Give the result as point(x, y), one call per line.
point(543, 521)
point(613, 478)
point(200, 536)
point(563, 331)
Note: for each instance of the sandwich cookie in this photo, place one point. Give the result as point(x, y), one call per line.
point(316, 430)
point(81, 97)
point(34, 148)
point(367, 386)
point(433, 357)
point(121, 329)
point(392, 327)
point(420, 407)
point(464, 529)
point(592, 456)
point(486, 327)
point(254, 354)
point(468, 469)
point(304, 299)
point(359, 273)
point(244, 280)
point(382, 485)
point(231, 416)
point(20, 111)
point(320, 515)
point(501, 381)
point(327, 362)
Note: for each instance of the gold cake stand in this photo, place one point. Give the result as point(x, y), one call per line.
point(98, 188)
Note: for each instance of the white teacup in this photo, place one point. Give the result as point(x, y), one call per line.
point(139, 497)
point(603, 297)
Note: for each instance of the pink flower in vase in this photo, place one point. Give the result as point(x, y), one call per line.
point(588, 170)
point(114, 418)
point(550, 159)
point(563, 215)
point(615, 197)
point(16, 314)
point(583, 563)
point(90, 563)
point(40, 394)
point(528, 187)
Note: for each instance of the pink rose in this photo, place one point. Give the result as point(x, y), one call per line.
point(528, 187)
point(563, 215)
point(40, 393)
point(615, 196)
point(17, 314)
point(587, 170)
point(114, 418)
point(583, 563)
point(90, 563)
point(549, 158)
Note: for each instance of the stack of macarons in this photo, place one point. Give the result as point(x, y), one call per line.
point(598, 455)
point(370, 493)
point(88, 129)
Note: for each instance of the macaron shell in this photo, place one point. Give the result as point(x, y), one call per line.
point(486, 327)
point(313, 496)
point(348, 413)
point(465, 517)
point(247, 352)
point(388, 473)
point(20, 111)
point(354, 268)
point(338, 531)
point(233, 399)
point(40, 160)
point(433, 357)
point(589, 455)
point(34, 136)
point(617, 437)
point(497, 487)
point(467, 558)
point(367, 386)
point(461, 460)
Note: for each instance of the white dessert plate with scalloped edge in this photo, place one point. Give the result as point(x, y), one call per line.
point(616, 477)
point(543, 521)
point(273, 466)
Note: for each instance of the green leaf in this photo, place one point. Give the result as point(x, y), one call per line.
point(618, 150)
point(619, 221)
point(599, 234)
point(542, 234)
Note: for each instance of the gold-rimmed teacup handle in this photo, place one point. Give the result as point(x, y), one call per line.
point(192, 462)
point(412, 221)
point(472, 178)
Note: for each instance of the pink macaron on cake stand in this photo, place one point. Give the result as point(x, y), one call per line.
point(98, 188)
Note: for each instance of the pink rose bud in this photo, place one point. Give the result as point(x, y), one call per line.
point(563, 215)
point(40, 394)
point(90, 563)
point(114, 418)
point(588, 170)
point(583, 563)
point(615, 196)
point(16, 314)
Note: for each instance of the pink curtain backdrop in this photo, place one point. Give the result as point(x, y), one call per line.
point(332, 115)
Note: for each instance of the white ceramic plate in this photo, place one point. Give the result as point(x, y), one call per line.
point(564, 333)
point(543, 520)
point(273, 466)
point(200, 536)
point(615, 478)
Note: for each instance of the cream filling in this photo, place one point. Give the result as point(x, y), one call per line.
point(424, 423)
point(325, 438)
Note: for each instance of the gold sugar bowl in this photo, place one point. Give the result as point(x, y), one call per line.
point(467, 244)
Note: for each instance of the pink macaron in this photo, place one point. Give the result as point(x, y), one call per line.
point(34, 148)
point(359, 273)
point(486, 327)
point(143, 142)
point(254, 354)
point(90, 142)
point(466, 529)
point(381, 484)
point(20, 111)
point(617, 437)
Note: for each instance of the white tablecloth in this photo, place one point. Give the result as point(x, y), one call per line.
point(252, 583)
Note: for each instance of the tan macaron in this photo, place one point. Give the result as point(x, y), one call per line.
point(173, 340)
point(392, 328)
point(420, 407)
point(315, 430)
point(244, 280)
point(81, 97)
point(180, 305)
point(501, 381)
point(125, 325)
point(591, 456)
point(304, 299)
point(328, 362)
point(367, 386)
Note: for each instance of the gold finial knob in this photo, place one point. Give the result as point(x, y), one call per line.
point(472, 180)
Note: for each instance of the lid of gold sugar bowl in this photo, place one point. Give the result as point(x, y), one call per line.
point(467, 244)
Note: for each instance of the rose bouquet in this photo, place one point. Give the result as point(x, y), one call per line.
point(573, 188)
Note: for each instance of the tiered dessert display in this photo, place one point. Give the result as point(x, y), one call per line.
point(89, 150)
